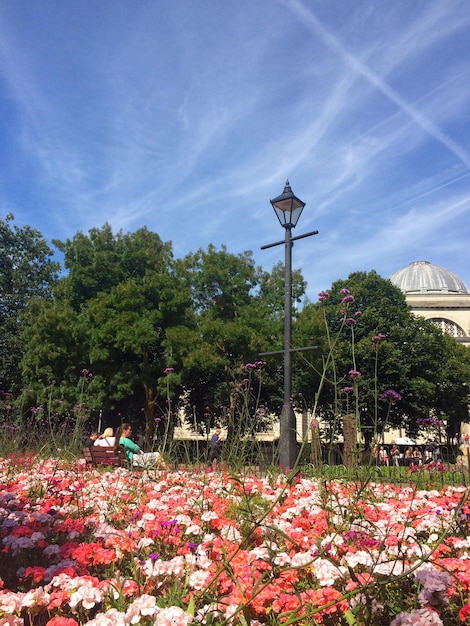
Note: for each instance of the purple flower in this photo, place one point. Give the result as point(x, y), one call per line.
point(168, 370)
point(347, 389)
point(350, 321)
point(154, 556)
point(417, 617)
point(344, 290)
point(390, 396)
point(428, 421)
point(348, 298)
point(323, 295)
point(434, 585)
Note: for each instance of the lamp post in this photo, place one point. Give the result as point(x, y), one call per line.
point(288, 209)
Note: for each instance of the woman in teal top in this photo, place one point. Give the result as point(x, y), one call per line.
point(133, 453)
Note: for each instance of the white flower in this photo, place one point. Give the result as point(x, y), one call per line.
point(87, 595)
point(172, 616)
point(208, 516)
point(11, 602)
point(198, 580)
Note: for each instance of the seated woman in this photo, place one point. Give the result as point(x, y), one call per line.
point(133, 453)
point(106, 439)
point(417, 457)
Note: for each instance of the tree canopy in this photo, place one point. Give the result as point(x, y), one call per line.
point(237, 317)
point(27, 271)
point(146, 335)
point(121, 307)
point(375, 356)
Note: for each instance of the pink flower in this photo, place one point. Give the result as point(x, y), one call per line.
point(377, 338)
point(354, 374)
point(12, 620)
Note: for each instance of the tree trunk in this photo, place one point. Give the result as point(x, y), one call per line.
point(350, 440)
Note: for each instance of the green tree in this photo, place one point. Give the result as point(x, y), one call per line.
point(122, 309)
point(238, 316)
point(27, 271)
point(371, 330)
point(453, 392)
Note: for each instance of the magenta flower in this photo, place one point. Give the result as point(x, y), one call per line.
point(354, 374)
point(168, 370)
point(377, 338)
point(323, 295)
point(344, 290)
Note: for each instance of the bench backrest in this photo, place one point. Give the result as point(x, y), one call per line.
point(105, 455)
point(87, 456)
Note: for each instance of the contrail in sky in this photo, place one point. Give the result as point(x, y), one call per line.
point(309, 18)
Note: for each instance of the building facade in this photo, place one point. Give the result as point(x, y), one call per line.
point(438, 295)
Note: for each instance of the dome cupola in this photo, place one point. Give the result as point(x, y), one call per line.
point(423, 277)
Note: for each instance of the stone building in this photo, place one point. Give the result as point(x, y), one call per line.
point(438, 295)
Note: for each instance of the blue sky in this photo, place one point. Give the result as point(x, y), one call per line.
point(187, 117)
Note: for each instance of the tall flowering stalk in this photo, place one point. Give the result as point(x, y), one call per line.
point(349, 396)
point(168, 417)
point(328, 362)
point(348, 321)
point(390, 397)
point(376, 341)
point(80, 410)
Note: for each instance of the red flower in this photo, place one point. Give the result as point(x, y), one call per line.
point(465, 612)
point(36, 573)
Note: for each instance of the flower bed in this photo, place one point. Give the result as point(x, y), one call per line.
point(104, 548)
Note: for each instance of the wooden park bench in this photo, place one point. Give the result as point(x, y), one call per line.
point(96, 456)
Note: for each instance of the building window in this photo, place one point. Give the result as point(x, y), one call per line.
point(451, 328)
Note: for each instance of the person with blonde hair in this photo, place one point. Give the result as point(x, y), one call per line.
point(106, 439)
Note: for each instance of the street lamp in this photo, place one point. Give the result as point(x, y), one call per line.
point(288, 209)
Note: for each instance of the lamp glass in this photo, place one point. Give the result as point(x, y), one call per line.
point(287, 207)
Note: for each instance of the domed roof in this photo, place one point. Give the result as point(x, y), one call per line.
point(422, 276)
